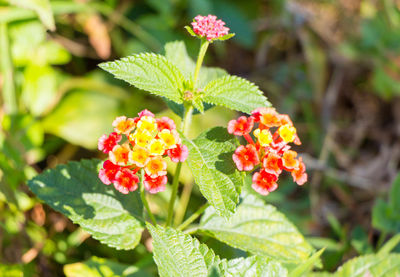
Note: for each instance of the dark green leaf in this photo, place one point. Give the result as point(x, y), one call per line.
point(75, 190)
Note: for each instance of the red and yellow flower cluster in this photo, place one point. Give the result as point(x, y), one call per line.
point(270, 149)
point(145, 140)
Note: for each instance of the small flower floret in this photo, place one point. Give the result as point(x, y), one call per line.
point(140, 143)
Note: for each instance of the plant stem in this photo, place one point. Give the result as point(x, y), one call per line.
point(175, 183)
point(183, 203)
point(187, 119)
point(200, 57)
point(193, 217)
point(144, 200)
point(9, 97)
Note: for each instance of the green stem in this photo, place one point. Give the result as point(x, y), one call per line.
point(183, 203)
point(187, 119)
point(175, 183)
point(200, 57)
point(193, 217)
point(9, 97)
point(381, 240)
point(144, 200)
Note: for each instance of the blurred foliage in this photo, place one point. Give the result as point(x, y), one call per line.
point(334, 66)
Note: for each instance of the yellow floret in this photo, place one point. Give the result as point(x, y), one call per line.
point(156, 147)
point(264, 137)
point(142, 138)
point(287, 133)
point(139, 156)
point(168, 138)
point(147, 123)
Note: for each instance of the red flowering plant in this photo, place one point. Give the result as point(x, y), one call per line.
point(269, 149)
point(138, 149)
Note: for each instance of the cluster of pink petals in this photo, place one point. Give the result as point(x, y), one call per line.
point(209, 27)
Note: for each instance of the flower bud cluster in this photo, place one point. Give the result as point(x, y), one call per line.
point(209, 27)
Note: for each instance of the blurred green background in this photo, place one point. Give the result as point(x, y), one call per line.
point(333, 66)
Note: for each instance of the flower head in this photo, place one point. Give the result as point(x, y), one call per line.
point(148, 140)
point(270, 150)
point(107, 143)
point(209, 27)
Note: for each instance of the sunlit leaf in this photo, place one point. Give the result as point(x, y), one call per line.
point(149, 72)
point(368, 265)
point(82, 117)
point(259, 229)
point(234, 93)
point(99, 267)
point(210, 159)
point(41, 7)
point(177, 254)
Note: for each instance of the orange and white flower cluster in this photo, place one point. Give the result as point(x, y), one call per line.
point(145, 141)
point(270, 150)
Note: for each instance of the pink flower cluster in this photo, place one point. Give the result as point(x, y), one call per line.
point(209, 27)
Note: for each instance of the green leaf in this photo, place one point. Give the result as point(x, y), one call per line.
point(235, 93)
point(389, 245)
point(259, 229)
point(308, 265)
point(385, 216)
point(39, 90)
point(226, 37)
point(99, 267)
point(11, 270)
point(41, 7)
point(178, 254)
point(76, 191)
point(210, 159)
point(82, 117)
point(190, 31)
point(368, 265)
point(176, 53)
point(253, 266)
point(149, 72)
point(29, 45)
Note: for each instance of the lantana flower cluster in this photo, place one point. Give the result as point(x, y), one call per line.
point(209, 27)
point(140, 143)
point(270, 150)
